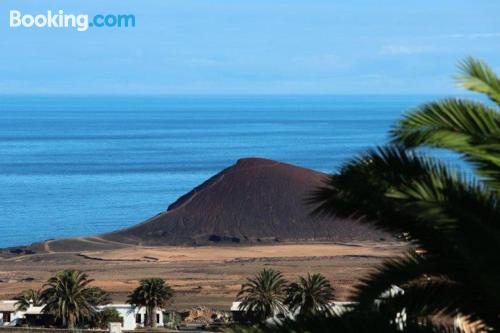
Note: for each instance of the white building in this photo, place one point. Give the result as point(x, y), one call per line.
point(9, 316)
point(131, 317)
point(8, 313)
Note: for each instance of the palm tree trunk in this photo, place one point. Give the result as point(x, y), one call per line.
point(147, 318)
point(71, 324)
point(152, 313)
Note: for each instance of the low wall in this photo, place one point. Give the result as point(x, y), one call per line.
point(45, 330)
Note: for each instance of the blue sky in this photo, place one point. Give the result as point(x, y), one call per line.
point(250, 47)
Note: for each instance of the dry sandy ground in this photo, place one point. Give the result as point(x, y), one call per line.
point(209, 276)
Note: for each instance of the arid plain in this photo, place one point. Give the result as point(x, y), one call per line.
point(204, 275)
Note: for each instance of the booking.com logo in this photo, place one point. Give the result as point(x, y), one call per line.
point(59, 19)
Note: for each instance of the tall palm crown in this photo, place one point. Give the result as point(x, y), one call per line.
point(454, 215)
point(69, 298)
point(28, 297)
point(263, 295)
point(152, 294)
point(310, 295)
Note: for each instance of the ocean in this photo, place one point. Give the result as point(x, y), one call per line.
point(83, 165)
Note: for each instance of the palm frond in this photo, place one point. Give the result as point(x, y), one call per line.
point(477, 76)
point(469, 128)
point(263, 296)
point(436, 296)
point(451, 123)
point(27, 298)
point(452, 216)
point(356, 321)
point(151, 294)
point(366, 186)
point(310, 295)
point(67, 296)
point(399, 271)
point(402, 190)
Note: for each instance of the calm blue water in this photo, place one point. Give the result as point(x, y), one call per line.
point(84, 165)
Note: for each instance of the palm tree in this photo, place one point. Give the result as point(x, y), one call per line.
point(28, 297)
point(310, 295)
point(454, 215)
point(152, 294)
point(69, 298)
point(97, 296)
point(263, 295)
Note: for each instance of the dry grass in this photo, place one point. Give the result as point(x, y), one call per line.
point(208, 276)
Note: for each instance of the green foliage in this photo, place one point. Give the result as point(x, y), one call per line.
point(309, 295)
point(263, 295)
point(69, 298)
point(152, 293)
point(453, 215)
point(102, 318)
point(470, 128)
point(172, 320)
point(28, 297)
point(477, 76)
point(98, 296)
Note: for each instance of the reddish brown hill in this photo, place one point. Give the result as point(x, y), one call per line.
point(255, 200)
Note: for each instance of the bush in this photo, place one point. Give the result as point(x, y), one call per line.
point(104, 317)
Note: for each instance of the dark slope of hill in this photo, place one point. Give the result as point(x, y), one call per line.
point(256, 200)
